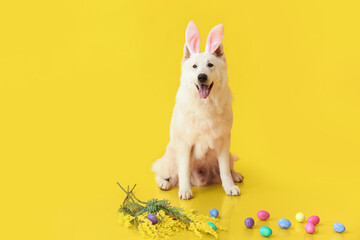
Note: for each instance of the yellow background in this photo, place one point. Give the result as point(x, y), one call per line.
point(86, 95)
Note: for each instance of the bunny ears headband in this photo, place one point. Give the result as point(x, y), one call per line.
point(214, 39)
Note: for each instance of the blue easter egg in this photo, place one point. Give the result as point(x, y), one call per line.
point(284, 223)
point(214, 213)
point(338, 227)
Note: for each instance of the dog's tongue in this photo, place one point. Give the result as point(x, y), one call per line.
point(203, 91)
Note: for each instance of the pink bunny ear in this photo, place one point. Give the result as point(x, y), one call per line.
point(214, 38)
point(192, 37)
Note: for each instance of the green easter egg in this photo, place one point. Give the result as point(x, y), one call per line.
point(213, 225)
point(265, 231)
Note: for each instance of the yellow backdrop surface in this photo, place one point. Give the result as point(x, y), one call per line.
point(86, 95)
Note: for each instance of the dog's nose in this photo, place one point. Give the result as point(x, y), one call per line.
point(202, 77)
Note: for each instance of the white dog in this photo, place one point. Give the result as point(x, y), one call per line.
point(198, 152)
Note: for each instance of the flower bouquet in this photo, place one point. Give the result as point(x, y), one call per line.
point(157, 219)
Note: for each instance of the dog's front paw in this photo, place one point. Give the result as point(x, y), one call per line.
point(185, 194)
point(232, 190)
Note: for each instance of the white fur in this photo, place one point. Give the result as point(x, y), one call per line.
point(198, 151)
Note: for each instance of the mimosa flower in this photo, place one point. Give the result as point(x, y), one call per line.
point(134, 212)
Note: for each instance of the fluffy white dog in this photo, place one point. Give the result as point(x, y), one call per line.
point(198, 152)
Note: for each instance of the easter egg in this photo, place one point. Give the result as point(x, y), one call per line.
point(152, 218)
point(212, 225)
point(314, 220)
point(338, 227)
point(263, 215)
point(249, 222)
point(309, 228)
point(284, 223)
point(265, 231)
point(300, 217)
point(214, 213)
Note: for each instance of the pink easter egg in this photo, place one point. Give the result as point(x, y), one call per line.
point(314, 220)
point(263, 215)
point(309, 228)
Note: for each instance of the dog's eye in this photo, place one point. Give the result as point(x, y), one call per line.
point(194, 66)
point(210, 65)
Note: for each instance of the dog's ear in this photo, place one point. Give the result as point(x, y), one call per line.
point(219, 52)
point(192, 39)
point(186, 54)
point(213, 43)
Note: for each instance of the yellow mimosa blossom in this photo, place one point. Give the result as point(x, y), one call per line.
point(167, 225)
point(169, 219)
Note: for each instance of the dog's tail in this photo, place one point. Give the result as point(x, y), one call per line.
point(234, 157)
